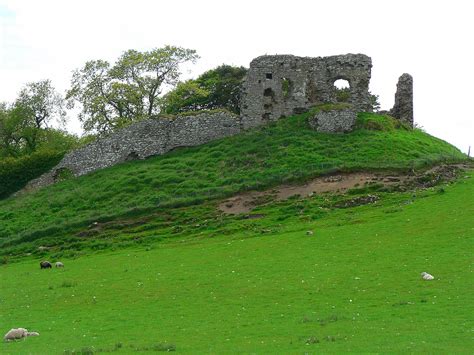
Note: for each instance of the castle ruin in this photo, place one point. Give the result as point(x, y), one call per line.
point(275, 86)
point(283, 85)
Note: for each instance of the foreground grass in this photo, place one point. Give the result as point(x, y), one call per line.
point(283, 152)
point(267, 287)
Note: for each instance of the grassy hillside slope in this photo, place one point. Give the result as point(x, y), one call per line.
point(265, 286)
point(285, 151)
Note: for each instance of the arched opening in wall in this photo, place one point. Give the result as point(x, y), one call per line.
point(342, 90)
point(286, 87)
point(132, 156)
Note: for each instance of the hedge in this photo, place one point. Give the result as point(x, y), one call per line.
point(16, 172)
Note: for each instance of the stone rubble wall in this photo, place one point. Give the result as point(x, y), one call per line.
point(282, 85)
point(403, 107)
point(141, 140)
point(334, 121)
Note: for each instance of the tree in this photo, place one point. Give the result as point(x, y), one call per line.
point(40, 104)
point(7, 139)
point(374, 102)
point(37, 106)
point(187, 96)
point(344, 95)
point(25, 125)
point(114, 96)
point(216, 88)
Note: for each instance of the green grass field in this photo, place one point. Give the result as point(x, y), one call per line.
point(151, 264)
point(267, 287)
point(283, 152)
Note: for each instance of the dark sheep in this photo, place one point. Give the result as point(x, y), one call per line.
point(45, 265)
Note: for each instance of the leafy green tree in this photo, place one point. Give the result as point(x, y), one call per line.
point(9, 141)
point(39, 104)
point(344, 94)
point(216, 88)
point(187, 96)
point(114, 96)
point(25, 126)
point(374, 102)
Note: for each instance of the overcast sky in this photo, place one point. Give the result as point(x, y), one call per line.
point(432, 40)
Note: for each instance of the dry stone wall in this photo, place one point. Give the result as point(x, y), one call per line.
point(141, 140)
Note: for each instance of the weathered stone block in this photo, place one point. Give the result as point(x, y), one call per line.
point(334, 121)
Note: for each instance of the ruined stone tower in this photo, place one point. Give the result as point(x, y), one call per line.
point(403, 107)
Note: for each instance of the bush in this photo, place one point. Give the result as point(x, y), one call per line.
point(16, 172)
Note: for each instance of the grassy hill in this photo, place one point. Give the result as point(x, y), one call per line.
point(262, 285)
point(153, 194)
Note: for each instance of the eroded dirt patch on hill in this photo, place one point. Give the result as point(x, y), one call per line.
point(341, 183)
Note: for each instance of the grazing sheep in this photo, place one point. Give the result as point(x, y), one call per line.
point(59, 264)
point(45, 265)
point(15, 333)
point(427, 276)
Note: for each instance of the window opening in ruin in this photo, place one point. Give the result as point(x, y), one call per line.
point(342, 90)
point(269, 75)
point(285, 87)
point(311, 93)
point(268, 92)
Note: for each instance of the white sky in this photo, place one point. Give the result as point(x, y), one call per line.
point(432, 40)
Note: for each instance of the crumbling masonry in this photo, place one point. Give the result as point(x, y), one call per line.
point(282, 85)
point(403, 107)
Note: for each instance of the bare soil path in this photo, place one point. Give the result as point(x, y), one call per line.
point(339, 183)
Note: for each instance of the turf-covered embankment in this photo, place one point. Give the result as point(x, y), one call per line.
point(286, 151)
point(266, 286)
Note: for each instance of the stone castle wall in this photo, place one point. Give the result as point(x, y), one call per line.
point(283, 85)
point(141, 140)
